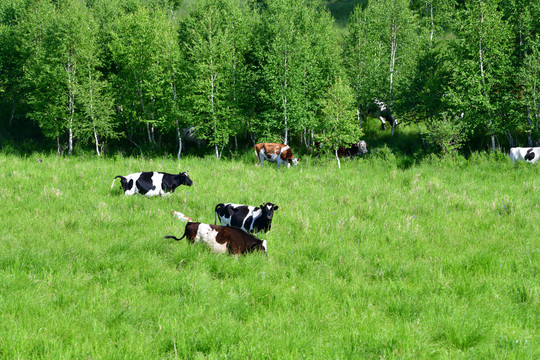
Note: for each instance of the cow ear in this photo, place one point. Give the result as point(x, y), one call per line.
point(276, 207)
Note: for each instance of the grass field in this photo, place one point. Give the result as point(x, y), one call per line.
point(381, 259)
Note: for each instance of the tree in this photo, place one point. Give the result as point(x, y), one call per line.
point(137, 50)
point(298, 61)
point(214, 39)
point(58, 37)
point(530, 75)
point(11, 55)
point(381, 50)
point(481, 73)
point(338, 127)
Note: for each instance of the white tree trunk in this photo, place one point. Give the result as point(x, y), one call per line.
point(97, 142)
point(337, 158)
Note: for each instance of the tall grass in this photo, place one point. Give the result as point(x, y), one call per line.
point(385, 258)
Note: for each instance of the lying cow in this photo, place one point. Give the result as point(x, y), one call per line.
point(181, 216)
point(247, 218)
point(276, 153)
point(529, 155)
point(358, 149)
point(222, 239)
point(152, 183)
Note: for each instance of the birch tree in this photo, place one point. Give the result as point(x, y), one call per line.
point(136, 45)
point(381, 50)
point(59, 36)
point(213, 38)
point(338, 126)
point(480, 65)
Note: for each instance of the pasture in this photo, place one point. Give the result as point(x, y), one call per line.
point(381, 259)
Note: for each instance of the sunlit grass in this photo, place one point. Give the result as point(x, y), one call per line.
point(437, 259)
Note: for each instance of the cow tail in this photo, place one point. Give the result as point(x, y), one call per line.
point(119, 176)
point(218, 207)
point(174, 237)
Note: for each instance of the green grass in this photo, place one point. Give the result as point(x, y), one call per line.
point(381, 259)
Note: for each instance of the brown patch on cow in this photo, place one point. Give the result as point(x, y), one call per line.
point(238, 241)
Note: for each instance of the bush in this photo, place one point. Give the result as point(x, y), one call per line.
point(446, 135)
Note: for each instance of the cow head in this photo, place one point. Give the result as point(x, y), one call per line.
point(294, 161)
point(260, 245)
point(184, 179)
point(268, 210)
point(362, 147)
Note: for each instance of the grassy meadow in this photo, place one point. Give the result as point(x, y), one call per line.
point(433, 259)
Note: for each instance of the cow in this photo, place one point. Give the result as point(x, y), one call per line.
point(527, 154)
point(276, 153)
point(358, 149)
point(222, 239)
point(181, 216)
point(245, 217)
point(151, 183)
point(379, 110)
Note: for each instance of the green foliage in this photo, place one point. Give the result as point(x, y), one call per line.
point(482, 77)
point(381, 49)
point(338, 126)
point(446, 134)
point(131, 74)
point(215, 36)
point(384, 261)
point(299, 62)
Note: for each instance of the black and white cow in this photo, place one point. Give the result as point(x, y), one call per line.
point(222, 239)
point(379, 110)
point(530, 154)
point(151, 183)
point(245, 217)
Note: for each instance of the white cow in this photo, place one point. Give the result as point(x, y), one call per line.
point(527, 154)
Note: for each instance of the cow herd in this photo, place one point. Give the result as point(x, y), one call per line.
point(239, 222)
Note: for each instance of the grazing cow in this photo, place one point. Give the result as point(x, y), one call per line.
point(358, 149)
point(529, 155)
point(379, 110)
point(247, 218)
point(152, 183)
point(276, 153)
point(222, 239)
point(181, 216)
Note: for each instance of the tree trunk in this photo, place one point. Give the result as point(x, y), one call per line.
point(97, 142)
point(12, 112)
point(179, 141)
point(284, 99)
point(337, 158)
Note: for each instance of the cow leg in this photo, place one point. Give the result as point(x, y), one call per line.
point(261, 158)
point(383, 122)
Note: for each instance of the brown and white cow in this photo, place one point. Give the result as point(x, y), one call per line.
point(356, 149)
point(276, 153)
point(181, 216)
point(222, 239)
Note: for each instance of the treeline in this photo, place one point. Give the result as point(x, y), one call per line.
point(147, 72)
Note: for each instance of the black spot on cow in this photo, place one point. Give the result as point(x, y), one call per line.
point(530, 155)
point(144, 183)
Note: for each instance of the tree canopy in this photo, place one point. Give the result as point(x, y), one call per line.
point(141, 74)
